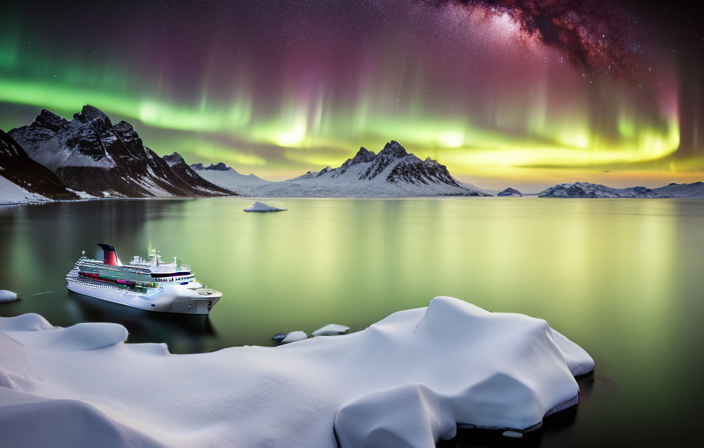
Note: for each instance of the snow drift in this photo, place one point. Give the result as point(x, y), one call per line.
point(407, 381)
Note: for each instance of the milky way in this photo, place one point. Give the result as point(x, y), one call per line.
point(491, 88)
point(594, 34)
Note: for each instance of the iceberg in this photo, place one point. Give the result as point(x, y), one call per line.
point(408, 380)
point(7, 296)
point(262, 207)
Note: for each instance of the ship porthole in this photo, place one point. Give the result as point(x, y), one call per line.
point(190, 306)
point(153, 304)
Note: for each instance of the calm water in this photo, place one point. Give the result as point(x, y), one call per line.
point(622, 278)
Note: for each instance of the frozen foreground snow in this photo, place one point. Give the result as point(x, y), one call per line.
point(405, 381)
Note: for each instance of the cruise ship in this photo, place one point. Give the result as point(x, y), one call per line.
point(151, 285)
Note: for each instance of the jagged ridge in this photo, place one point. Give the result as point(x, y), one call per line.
point(89, 154)
point(407, 167)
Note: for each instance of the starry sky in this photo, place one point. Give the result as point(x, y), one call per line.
point(504, 92)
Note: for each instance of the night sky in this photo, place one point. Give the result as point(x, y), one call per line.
point(520, 92)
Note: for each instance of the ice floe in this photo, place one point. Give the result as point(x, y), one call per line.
point(7, 296)
point(406, 381)
point(262, 207)
point(331, 330)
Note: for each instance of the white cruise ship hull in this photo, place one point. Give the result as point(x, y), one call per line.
point(164, 299)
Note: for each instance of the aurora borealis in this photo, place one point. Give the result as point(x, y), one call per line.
point(535, 91)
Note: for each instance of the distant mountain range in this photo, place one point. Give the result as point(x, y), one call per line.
point(393, 172)
point(226, 177)
point(588, 190)
point(94, 158)
point(89, 157)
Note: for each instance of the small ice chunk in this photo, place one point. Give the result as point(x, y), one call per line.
point(262, 207)
point(513, 434)
point(294, 336)
point(7, 296)
point(331, 330)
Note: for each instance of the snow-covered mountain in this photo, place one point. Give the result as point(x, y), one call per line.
point(23, 179)
point(391, 173)
point(189, 176)
point(226, 177)
point(693, 190)
point(89, 154)
point(589, 190)
point(510, 192)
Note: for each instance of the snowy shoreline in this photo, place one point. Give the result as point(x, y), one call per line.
point(408, 380)
point(381, 198)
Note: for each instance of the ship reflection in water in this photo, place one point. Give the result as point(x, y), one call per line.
point(181, 332)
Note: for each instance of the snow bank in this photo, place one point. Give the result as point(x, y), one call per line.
point(84, 336)
point(405, 381)
point(82, 194)
point(25, 322)
point(262, 207)
point(7, 296)
point(11, 193)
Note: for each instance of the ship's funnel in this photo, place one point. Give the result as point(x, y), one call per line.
point(108, 254)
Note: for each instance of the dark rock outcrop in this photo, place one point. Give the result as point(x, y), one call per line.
point(510, 192)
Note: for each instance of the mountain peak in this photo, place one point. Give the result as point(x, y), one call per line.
point(393, 150)
point(174, 159)
point(50, 120)
point(363, 155)
point(430, 162)
point(92, 114)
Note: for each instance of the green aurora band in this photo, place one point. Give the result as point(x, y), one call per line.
point(549, 116)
